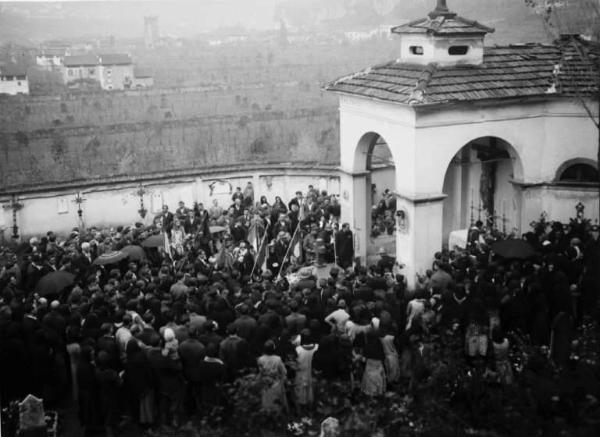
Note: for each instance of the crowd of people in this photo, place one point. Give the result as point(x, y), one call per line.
point(235, 292)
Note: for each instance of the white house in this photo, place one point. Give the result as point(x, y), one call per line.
point(80, 67)
point(116, 71)
point(51, 58)
point(497, 133)
point(113, 71)
point(13, 80)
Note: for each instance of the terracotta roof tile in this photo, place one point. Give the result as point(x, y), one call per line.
point(511, 71)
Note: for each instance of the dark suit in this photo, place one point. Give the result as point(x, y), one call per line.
point(191, 226)
point(167, 219)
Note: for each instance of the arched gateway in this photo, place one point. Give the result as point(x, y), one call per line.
point(472, 133)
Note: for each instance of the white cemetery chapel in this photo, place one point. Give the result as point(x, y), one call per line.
point(497, 133)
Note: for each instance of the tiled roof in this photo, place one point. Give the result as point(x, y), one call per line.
point(80, 60)
point(115, 59)
point(507, 72)
point(52, 52)
point(449, 24)
point(13, 70)
point(140, 72)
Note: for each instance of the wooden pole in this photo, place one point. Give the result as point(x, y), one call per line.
point(288, 251)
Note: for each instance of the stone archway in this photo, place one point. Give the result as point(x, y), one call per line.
point(371, 161)
point(478, 186)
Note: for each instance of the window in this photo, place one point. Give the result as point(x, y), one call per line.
point(416, 50)
point(108, 72)
point(578, 173)
point(91, 71)
point(458, 50)
point(70, 72)
point(19, 83)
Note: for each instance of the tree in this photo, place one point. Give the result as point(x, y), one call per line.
point(576, 23)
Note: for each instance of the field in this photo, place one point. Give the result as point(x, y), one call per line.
point(248, 102)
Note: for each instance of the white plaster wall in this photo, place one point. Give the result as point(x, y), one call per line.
point(119, 205)
point(541, 135)
point(559, 203)
point(14, 87)
point(395, 124)
point(544, 136)
point(436, 50)
point(473, 57)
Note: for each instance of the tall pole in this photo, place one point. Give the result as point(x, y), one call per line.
point(290, 247)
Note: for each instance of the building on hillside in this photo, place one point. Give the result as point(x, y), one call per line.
point(79, 68)
point(51, 58)
point(142, 79)
point(13, 80)
point(492, 133)
point(116, 71)
point(112, 71)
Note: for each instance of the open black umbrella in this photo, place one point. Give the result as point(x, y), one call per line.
point(110, 258)
point(156, 240)
point(135, 253)
point(513, 249)
point(54, 283)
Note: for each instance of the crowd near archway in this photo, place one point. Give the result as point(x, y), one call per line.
point(381, 188)
point(478, 187)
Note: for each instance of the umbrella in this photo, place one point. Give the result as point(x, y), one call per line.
point(54, 282)
point(110, 258)
point(23, 249)
point(156, 240)
point(216, 229)
point(135, 253)
point(519, 249)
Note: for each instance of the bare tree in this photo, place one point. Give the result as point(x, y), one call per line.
point(575, 24)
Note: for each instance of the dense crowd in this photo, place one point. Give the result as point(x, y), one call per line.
point(234, 292)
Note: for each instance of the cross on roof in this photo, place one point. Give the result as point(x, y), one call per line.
point(441, 9)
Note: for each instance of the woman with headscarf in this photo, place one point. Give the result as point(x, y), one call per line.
point(273, 373)
point(278, 208)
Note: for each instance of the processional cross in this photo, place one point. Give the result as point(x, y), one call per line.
point(15, 206)
point(79, 201)
point(140, 192)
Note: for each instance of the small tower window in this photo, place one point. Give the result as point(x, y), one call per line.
point(458, 50)
point(416, 50)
